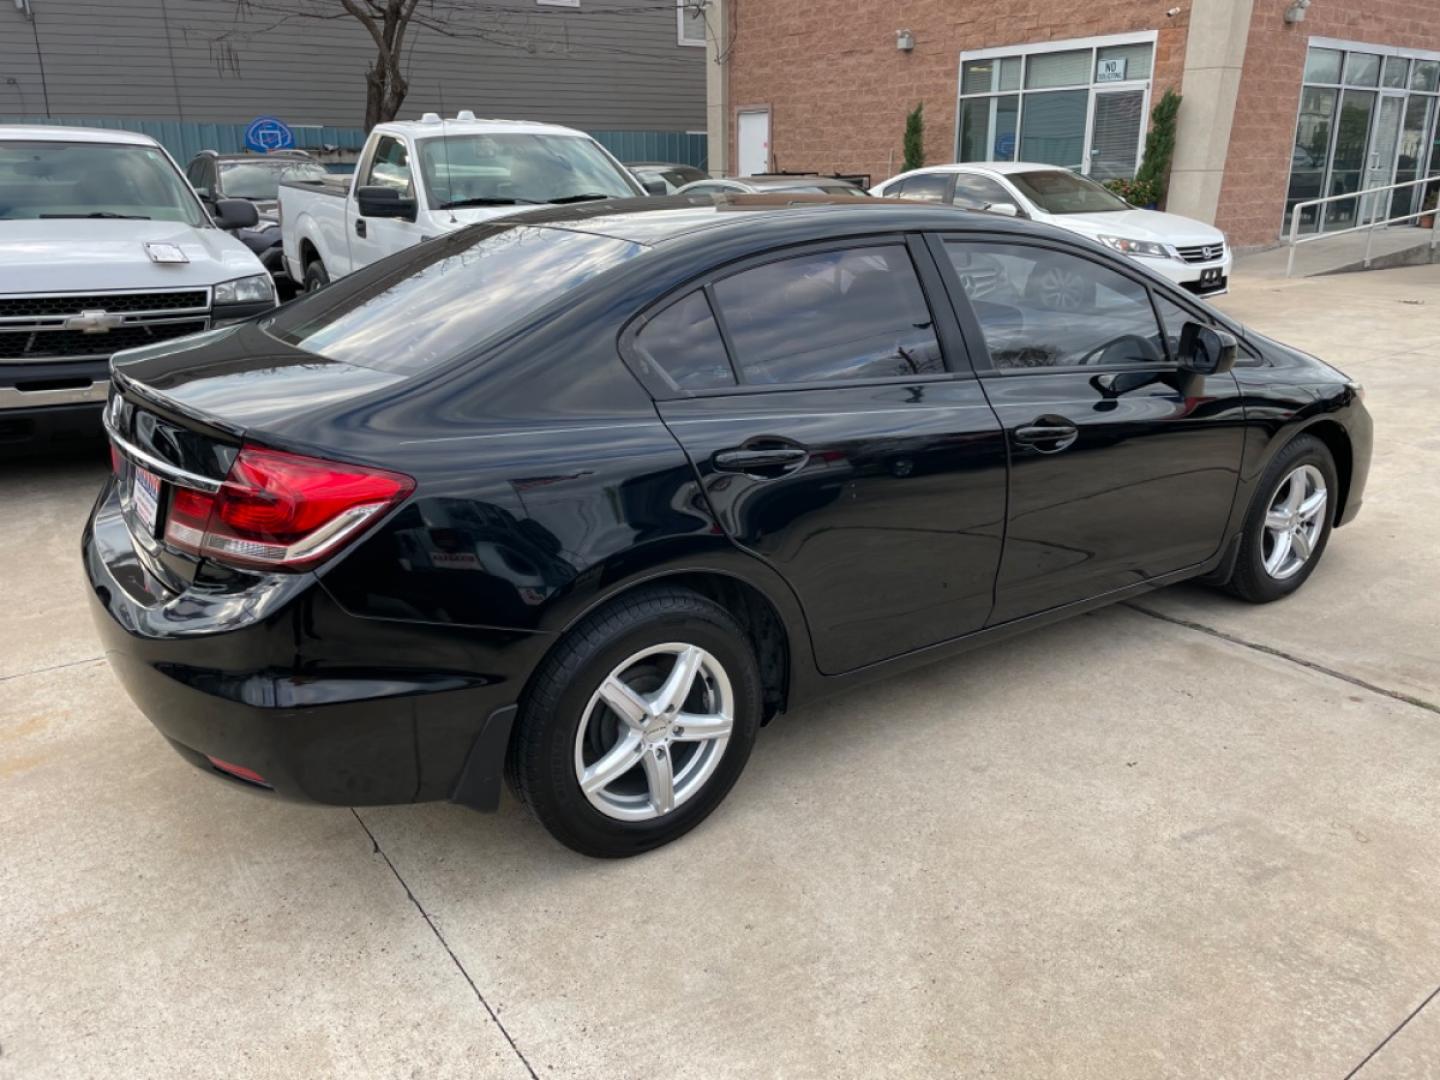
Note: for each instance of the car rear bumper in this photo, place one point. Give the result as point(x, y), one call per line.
point(255, 681)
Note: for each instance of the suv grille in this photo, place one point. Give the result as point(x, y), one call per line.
point(1199, 253)
point(35, 328)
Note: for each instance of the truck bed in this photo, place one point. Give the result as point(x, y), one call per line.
point(337, 185)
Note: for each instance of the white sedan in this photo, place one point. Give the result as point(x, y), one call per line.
point(1188, 252)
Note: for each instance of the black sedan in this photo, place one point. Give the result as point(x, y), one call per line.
point(584, 497)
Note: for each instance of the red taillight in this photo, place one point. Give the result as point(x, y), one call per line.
point(281, 510)
point(115, 459)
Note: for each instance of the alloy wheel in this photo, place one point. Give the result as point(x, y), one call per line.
point(654, 732)
point(1294, 522)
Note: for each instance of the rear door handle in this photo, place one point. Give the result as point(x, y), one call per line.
point(359, 226)
point(760, 460)
point(1047, 434)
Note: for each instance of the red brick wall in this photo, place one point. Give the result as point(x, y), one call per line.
point(1257, 167)
point(838, 89)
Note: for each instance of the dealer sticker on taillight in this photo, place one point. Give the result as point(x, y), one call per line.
point(145, 495)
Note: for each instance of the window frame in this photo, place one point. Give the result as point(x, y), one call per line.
point(979, 349)
point(955, 352)
point(680, 38)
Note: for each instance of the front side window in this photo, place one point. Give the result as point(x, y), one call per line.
point(505, 167)
point(390, 167)
point(93, 180)
point(837, 315)
point(450, 298)
point(978, 192)
point(1057, 191)
point(683, 346)
point(1042, 308)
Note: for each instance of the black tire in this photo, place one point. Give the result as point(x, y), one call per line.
point(1250, 580)
point(315, 276)
point(542, 760)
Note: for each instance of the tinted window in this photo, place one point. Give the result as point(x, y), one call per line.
point(1173, 318)
point(1043, 308)
point(976, 192)
point(684, 346)
point(927, 187)
point(261, 179)
point(390, 167)
point(855, 314)
point(432, 304)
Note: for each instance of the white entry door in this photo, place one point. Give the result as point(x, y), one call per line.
point(753, 142)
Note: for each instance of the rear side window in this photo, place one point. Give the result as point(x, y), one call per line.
point(683, 345)
point(433, 303)
point(852, 314)
point(927, 187)
point(1039, 307)
point(977, 192)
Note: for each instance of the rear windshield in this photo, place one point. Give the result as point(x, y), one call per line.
point(434, 303)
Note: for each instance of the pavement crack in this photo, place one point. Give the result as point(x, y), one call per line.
point(1270, 650)
point(1414, 1013)
point(52, 667)
point(376, 848)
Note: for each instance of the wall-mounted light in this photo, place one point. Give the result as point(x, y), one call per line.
point(1296, 11)
point(904, 40)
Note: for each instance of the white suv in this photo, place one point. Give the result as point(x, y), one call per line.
point(1188, 252)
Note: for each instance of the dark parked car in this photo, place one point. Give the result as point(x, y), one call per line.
point(585, 496)
point(672, 175)
point(255, 178)
point(797, 183)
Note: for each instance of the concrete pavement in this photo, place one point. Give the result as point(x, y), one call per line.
point(1201, 844)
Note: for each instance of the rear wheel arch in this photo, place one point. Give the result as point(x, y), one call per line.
point(777, 645)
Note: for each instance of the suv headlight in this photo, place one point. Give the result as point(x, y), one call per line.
point(242, 298)
point(1147, 248)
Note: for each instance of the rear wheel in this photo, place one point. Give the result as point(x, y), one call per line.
point(315, 276)
point(639, 723)
point(1288, 524)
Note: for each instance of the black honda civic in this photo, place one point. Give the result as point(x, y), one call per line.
point(581, 498)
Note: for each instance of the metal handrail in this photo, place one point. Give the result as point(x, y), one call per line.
point(1295, 239)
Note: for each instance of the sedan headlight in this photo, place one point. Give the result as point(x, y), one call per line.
point(242, 298)
point(1147, 248)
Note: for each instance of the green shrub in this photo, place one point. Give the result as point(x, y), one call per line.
point(914, 144)
point(1154, 171)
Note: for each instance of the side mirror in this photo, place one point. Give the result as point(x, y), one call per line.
point(1205, 350)
point(655, 185)
point(1006, 209)
point(384, 202)
point(235, 214)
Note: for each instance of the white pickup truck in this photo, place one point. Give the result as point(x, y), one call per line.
point(420, 179)
point(103, 247)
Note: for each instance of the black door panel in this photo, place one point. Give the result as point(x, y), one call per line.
point(889, 531)
point(1142, 488)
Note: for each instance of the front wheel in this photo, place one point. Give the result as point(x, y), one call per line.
point(315, 276)
point(1288, 524)
point(639, 723)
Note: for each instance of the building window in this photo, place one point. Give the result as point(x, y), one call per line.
point(1368, 118)
point(1081, 104)
point(558, 3)
point(690, 15)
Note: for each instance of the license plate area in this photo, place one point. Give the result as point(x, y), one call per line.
point(1212, 277)
point(145, 491)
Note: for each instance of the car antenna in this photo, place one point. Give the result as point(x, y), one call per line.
point(445, 149)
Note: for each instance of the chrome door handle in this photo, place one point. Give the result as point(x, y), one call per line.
point(761, 460)
point(1047, 434)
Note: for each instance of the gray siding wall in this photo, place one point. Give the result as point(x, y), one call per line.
point(616, 66)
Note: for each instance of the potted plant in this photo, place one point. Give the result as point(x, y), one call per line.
point(1427, 219)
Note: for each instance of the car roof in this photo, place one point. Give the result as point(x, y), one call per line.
point(423, 128)
point(662, 165)
point(777, 181)
point(662, 219)
point(62, 133)
point(1004, 168)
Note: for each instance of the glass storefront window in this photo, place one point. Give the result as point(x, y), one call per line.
point(1323, 65)
point(1312, 149)
point(1362, 69)
point(1426, 76)
point(1134, 59)
point(977, 77)
point(1396, 68)
point(1047, 70)
point(1010, 73)
point(1052, 130)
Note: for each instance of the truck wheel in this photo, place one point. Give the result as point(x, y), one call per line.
point(315, 276)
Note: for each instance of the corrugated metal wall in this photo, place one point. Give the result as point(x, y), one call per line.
point(184, 141)
point(605, 66)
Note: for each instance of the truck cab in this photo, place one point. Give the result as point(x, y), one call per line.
point(104, 247)
point(420, 179)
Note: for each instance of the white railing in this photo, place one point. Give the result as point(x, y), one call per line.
point(1363, 199)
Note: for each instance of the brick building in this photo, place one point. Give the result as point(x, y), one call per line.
point(1276, 110)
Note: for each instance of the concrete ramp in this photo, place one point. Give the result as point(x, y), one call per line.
point(1389, 248)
